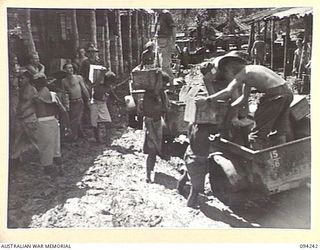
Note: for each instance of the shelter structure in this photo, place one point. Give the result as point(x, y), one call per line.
point(275, 16)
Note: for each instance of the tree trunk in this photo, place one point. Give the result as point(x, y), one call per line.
point(119, 42)
point(108, 49)
point(103, 46)
point(116, 52)
point(143, 41)
point(26, 30)
point(272, 42)
point(130, 39)
point(75, 32)
point(137, 36)
point(43, 33)
point(286, 47)
point(93, 27)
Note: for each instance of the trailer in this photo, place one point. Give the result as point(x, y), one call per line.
point(237, 169)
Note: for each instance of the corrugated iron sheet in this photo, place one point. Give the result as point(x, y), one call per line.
point(262, 14)
point(278, 13)
point(298, 12)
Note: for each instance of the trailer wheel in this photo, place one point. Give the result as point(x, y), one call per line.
point(220, 185)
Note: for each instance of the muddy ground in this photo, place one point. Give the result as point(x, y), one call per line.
point(104, 186)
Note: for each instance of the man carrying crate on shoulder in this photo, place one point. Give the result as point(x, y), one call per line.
point(166, 37)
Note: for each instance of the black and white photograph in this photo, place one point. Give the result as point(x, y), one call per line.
point(178, 118)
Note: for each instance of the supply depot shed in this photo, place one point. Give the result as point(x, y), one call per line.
point(279, 28)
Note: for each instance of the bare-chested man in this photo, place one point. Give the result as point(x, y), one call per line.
point(75, 87)
point(273, 110)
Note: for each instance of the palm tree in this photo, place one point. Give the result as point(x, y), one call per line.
point(93, 27)
point(26, 29)
point(107, 39)
point(75, 31)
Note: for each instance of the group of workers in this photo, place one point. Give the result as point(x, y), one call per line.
point(229, 77)
point(41, 114)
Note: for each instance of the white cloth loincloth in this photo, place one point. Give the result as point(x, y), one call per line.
point(99, 113)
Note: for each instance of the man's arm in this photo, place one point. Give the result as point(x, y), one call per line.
point(244, 97)
point(227, 92)
point(63, 85)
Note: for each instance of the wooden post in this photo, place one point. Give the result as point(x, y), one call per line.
point(265, 30)
point(107, 38)
point(251, 38)
point(103, 45)
point(93, 27)
point(304, 55)
point(137, 35)
point(272, 42)
point(258, 27)
point(286, 47)
point(119, 42)
point(75, 32)
point(130, 39)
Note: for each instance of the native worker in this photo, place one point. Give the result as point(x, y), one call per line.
point(26, 119)
point(74, 86)
point(301, 65)
point(155, 106)
point(85, 66)
point(258, 50)
point(99, 112)
point(92, 59)
point(297, 57)
point(166, 38)
point(35, 67)
point(48, 106)
point(197, 153)
point(80, 58)
point(148, 56)
point(273, 112)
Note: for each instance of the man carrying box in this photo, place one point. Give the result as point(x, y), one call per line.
point(196, 156)
point(273, 110)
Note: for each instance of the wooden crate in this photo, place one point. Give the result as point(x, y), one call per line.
point(209, 113)
point(175, 118)
point(299, 107)
point(144, 79)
